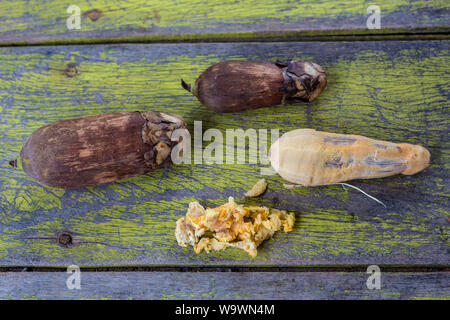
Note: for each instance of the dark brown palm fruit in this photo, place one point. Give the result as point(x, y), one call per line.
point(93, 150)
point(231, 86)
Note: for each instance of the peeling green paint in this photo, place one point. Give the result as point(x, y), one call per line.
point(176, 20)
point(429, 296)
point(391, 92)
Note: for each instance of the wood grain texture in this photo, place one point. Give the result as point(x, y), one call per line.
point(394, 91)
point(223, 285)
point(35, 21)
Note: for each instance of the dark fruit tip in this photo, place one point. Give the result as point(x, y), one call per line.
point(185, 85)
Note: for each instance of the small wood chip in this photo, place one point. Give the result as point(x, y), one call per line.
point(257, 189)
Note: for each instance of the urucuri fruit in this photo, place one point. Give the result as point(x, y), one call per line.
point(231, 86)
point(93, 150)
point(311, 158)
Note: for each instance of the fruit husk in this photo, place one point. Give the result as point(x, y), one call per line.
point(232, 86)
point(98, 149)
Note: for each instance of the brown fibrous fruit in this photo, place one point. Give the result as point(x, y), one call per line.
point(232, 86)
point(98, 149)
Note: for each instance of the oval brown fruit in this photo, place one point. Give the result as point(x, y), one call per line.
point(93, 150)
point(231, 86)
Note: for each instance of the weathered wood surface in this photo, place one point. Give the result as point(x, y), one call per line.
point(395, 91)
point(35, 21)
point(223, 285)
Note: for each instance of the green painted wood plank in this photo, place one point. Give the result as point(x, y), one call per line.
point(223, 285)
point(151, 20)
point(395, 91)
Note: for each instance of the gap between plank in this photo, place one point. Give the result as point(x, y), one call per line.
point(355, 268)
point(294, 36)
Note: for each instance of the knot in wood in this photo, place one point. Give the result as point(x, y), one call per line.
point(93, 14)
point(65, 239)
point(13, 163)
point(71, 70)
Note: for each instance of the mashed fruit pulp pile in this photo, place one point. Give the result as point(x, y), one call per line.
point(230, 225)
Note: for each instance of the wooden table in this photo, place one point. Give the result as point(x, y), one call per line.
point(390, 83)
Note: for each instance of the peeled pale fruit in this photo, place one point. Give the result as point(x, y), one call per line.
point(311, 158)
